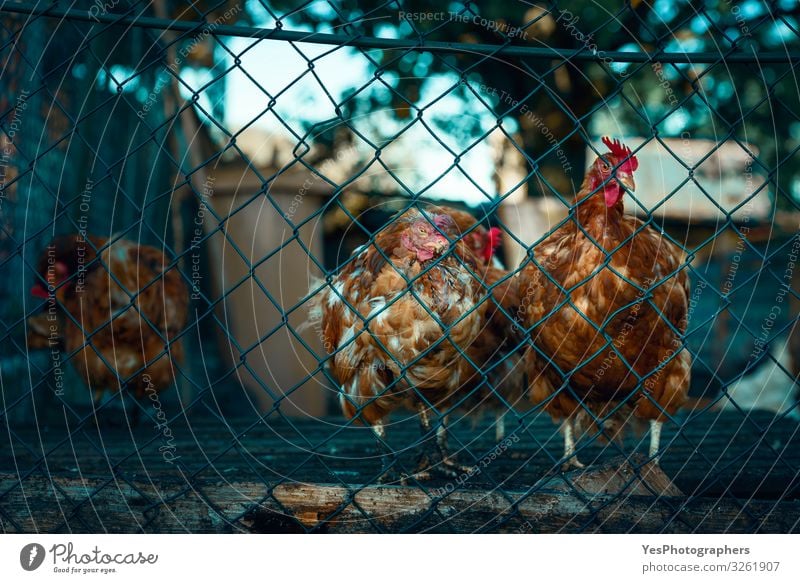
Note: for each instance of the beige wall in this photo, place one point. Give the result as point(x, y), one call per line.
point(529, 220)
point(281, 361)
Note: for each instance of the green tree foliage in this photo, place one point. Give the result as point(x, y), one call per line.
point(750, 102)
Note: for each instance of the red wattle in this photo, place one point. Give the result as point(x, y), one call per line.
point(612, 195)
point(493, 240)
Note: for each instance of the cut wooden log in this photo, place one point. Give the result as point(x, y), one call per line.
point(88, 505)
point(721, 472)
point(619, 476)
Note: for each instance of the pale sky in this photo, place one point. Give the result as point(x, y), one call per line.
point(417, 158)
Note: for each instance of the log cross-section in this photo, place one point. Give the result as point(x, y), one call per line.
point(612, 497)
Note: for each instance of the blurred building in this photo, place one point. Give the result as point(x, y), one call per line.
point(264, 268)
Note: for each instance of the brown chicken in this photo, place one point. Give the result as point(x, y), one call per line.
point(118, 330)
point(395, 319)
point(606, 301)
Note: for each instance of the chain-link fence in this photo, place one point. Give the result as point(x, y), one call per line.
point(333, 268)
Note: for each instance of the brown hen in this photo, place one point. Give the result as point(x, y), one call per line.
point(396, 319)
point(116, 314)
point(607, 299)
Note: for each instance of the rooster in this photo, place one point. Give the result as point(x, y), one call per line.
point(116, 313)
point(397, 320)
point(606, 301)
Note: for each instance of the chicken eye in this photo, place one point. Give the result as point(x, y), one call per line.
point(604, 166)
point(422, 231)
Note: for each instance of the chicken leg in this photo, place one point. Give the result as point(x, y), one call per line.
point(434, 459)
point(655, 439)
point(500, 426)
point(570, 457)
point(388, 472)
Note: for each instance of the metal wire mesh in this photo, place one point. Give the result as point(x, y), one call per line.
point(124, 104)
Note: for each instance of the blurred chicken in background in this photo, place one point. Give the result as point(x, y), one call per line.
point(115, 315)
point(496, 350)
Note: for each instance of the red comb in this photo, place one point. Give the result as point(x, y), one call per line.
point(621, 151)
point(493, 239)
point(38, 291)
point(442, 221)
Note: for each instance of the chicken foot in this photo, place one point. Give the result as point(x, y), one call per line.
point(388, 472)
point(434, 458)
point(441, 439)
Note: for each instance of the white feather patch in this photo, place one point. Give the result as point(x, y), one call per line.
point(417, 329)
point(377, 304)
point(582, 303)
point(334, 297)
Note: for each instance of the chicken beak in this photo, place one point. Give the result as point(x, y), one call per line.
point(438, 244)
point(627, 180)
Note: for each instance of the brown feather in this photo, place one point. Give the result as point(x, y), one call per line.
point(120, 326)
point(570, 266)
point(393, 346)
